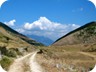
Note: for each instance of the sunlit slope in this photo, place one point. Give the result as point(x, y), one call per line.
point(9, 38)
point(84, 35)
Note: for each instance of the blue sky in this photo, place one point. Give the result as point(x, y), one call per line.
point(50, 18)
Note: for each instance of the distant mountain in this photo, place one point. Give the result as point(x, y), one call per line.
point(44, 40)
point(84, 35)
point(10, 38)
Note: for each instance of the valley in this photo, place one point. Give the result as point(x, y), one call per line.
point(74, 52)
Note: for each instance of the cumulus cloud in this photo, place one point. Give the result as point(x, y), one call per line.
point(10, 23)
point(45, 27)
point(45, 24)
point(41, 24)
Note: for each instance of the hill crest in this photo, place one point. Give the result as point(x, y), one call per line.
point(78, 35)
point(9, 36)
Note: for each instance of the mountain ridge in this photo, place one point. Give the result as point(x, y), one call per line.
point(74, 35)
point(75, 30)
point(12, 36)
point(45, 40)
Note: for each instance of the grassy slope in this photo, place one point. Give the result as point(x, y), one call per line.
point(78, 29)
point(66, 58)
point(13, 35)
point(84, 35)
point(13, 44)
point(75, 51)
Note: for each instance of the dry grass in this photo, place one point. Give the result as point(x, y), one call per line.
point(66, 58)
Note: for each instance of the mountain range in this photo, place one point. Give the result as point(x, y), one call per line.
point(42, 39)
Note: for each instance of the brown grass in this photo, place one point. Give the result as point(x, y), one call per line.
point(63, 58)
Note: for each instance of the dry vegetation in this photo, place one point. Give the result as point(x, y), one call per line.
point(66, 59)
point(60, 59)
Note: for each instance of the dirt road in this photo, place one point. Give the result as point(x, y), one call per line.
point(29, 60)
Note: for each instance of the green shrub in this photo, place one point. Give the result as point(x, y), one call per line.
point(11, 53)
point(6, 62)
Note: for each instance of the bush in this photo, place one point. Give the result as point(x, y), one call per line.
point(6, 62)
point(12, 53)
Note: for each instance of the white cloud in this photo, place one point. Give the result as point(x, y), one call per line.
point(78, 10)
point(21, 30)
point(81, 9)
point(1, 2)
point(45, 27)
point(10, 23)
point(41, 24)
point(45, 24)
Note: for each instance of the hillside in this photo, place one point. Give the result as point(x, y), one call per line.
point(84, 35)
point(10, 39)
point(13, 45)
